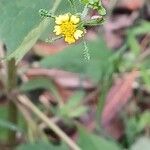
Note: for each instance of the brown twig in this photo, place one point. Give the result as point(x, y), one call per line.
point(26, 102)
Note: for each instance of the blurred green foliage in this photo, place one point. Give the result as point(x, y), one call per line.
point(102, 62)
point(20, 28)
point(89, 141)
point(41, 146)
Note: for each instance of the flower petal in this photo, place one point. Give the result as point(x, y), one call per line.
point(61, 18)
point(57, 30)
point(58, 20)
point(70, 39)
point(78, 34)
point(65, 17)
point(75, 19)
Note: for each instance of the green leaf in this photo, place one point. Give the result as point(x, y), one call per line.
point(40, 83)
point(37, 83)
point(18, 18)
point(89, 141)
point(9, 125)
point(133, 43)
point(145, 74)
point(85, 1)
point(143, 28)
point(101, 60)
point(22, 26)
point(102, 10)
point(131, 129)
point(64, 7)
point(94, 1)
point(95, 4)
point(73, 107)
point(41, 146)
point(29, 41)
point(144, 120)
point(72, 2)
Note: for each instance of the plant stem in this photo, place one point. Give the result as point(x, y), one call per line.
point(34, 131)
point(26, 102)
point(12, 109)
point(55, 6)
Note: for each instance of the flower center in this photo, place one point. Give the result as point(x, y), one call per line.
point(68, 28)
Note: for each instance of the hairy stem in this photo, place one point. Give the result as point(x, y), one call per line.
point(12, 109)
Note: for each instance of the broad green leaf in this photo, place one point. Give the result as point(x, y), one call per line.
point(89, 141)
point(29, 41)
point(64, 7)
point(18, 18)
point(72, 59)
point(41, 146)
point(21, 25)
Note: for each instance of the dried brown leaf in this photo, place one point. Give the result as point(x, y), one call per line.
point(63, 78)
point(118, 97)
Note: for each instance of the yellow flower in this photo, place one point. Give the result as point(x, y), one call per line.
point(67, 26)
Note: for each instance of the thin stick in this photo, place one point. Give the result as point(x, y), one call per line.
point(26, 102)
